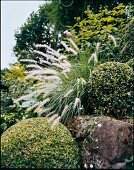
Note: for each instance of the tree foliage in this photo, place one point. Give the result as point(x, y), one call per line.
point(95, 27)
point(68, 10)
point(38, 29)
point(44, 25)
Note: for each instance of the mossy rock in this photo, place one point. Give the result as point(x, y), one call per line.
point(111, 89)
point(32, 143)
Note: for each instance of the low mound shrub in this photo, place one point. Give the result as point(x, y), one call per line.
point(111, 89)
point(32, 143)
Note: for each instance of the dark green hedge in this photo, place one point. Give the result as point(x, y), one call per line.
point(32, 143)
point(111, 89)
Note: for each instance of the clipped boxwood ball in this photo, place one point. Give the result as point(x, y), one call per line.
point(32, 143)
point(111, 90)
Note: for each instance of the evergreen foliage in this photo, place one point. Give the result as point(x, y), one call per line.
point(32, 143)
point(111, 89)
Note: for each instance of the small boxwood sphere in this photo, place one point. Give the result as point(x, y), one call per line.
point(110, 90)
point(32, 143)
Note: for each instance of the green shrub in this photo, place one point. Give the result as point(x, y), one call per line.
point(14, 79)
point(95, 27)
point(127, 43)
point(32, 143)
point(110, 89)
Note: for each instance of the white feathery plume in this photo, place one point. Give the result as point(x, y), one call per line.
point(40, 91)
point(58, 50)
point(73, 51)
point(41, 53)
point(47, 56)
point(28, 96)
point(45, 110)
point(64, 110)
point(113, 39)
point(97, 46)
point(44, 62)
point(68, 93)
point(65, 45)
point(44, 102)
point(49, 114)
point(38, 110)
point(39, 72)
point(66, 70)
point(77, 102)
point(50, 88)
point(52, 78)
point(55, 122)
point(73, 43)
point(39, 84)
point(36, 78)
point(67, 63)
point(34, 66)
point(93, 56)
point(50, 50)
point(68, 48)
point(48, 78)
point(29, 60)
point(54, 53)
point(53, 117)
point(65, 66)
point(32, 107)
point(62, 57)
point(44, 46)
point(58, 65)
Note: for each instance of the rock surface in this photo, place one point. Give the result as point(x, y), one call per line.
point(106, 142)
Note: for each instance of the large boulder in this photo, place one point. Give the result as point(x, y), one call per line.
point(106, 142)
